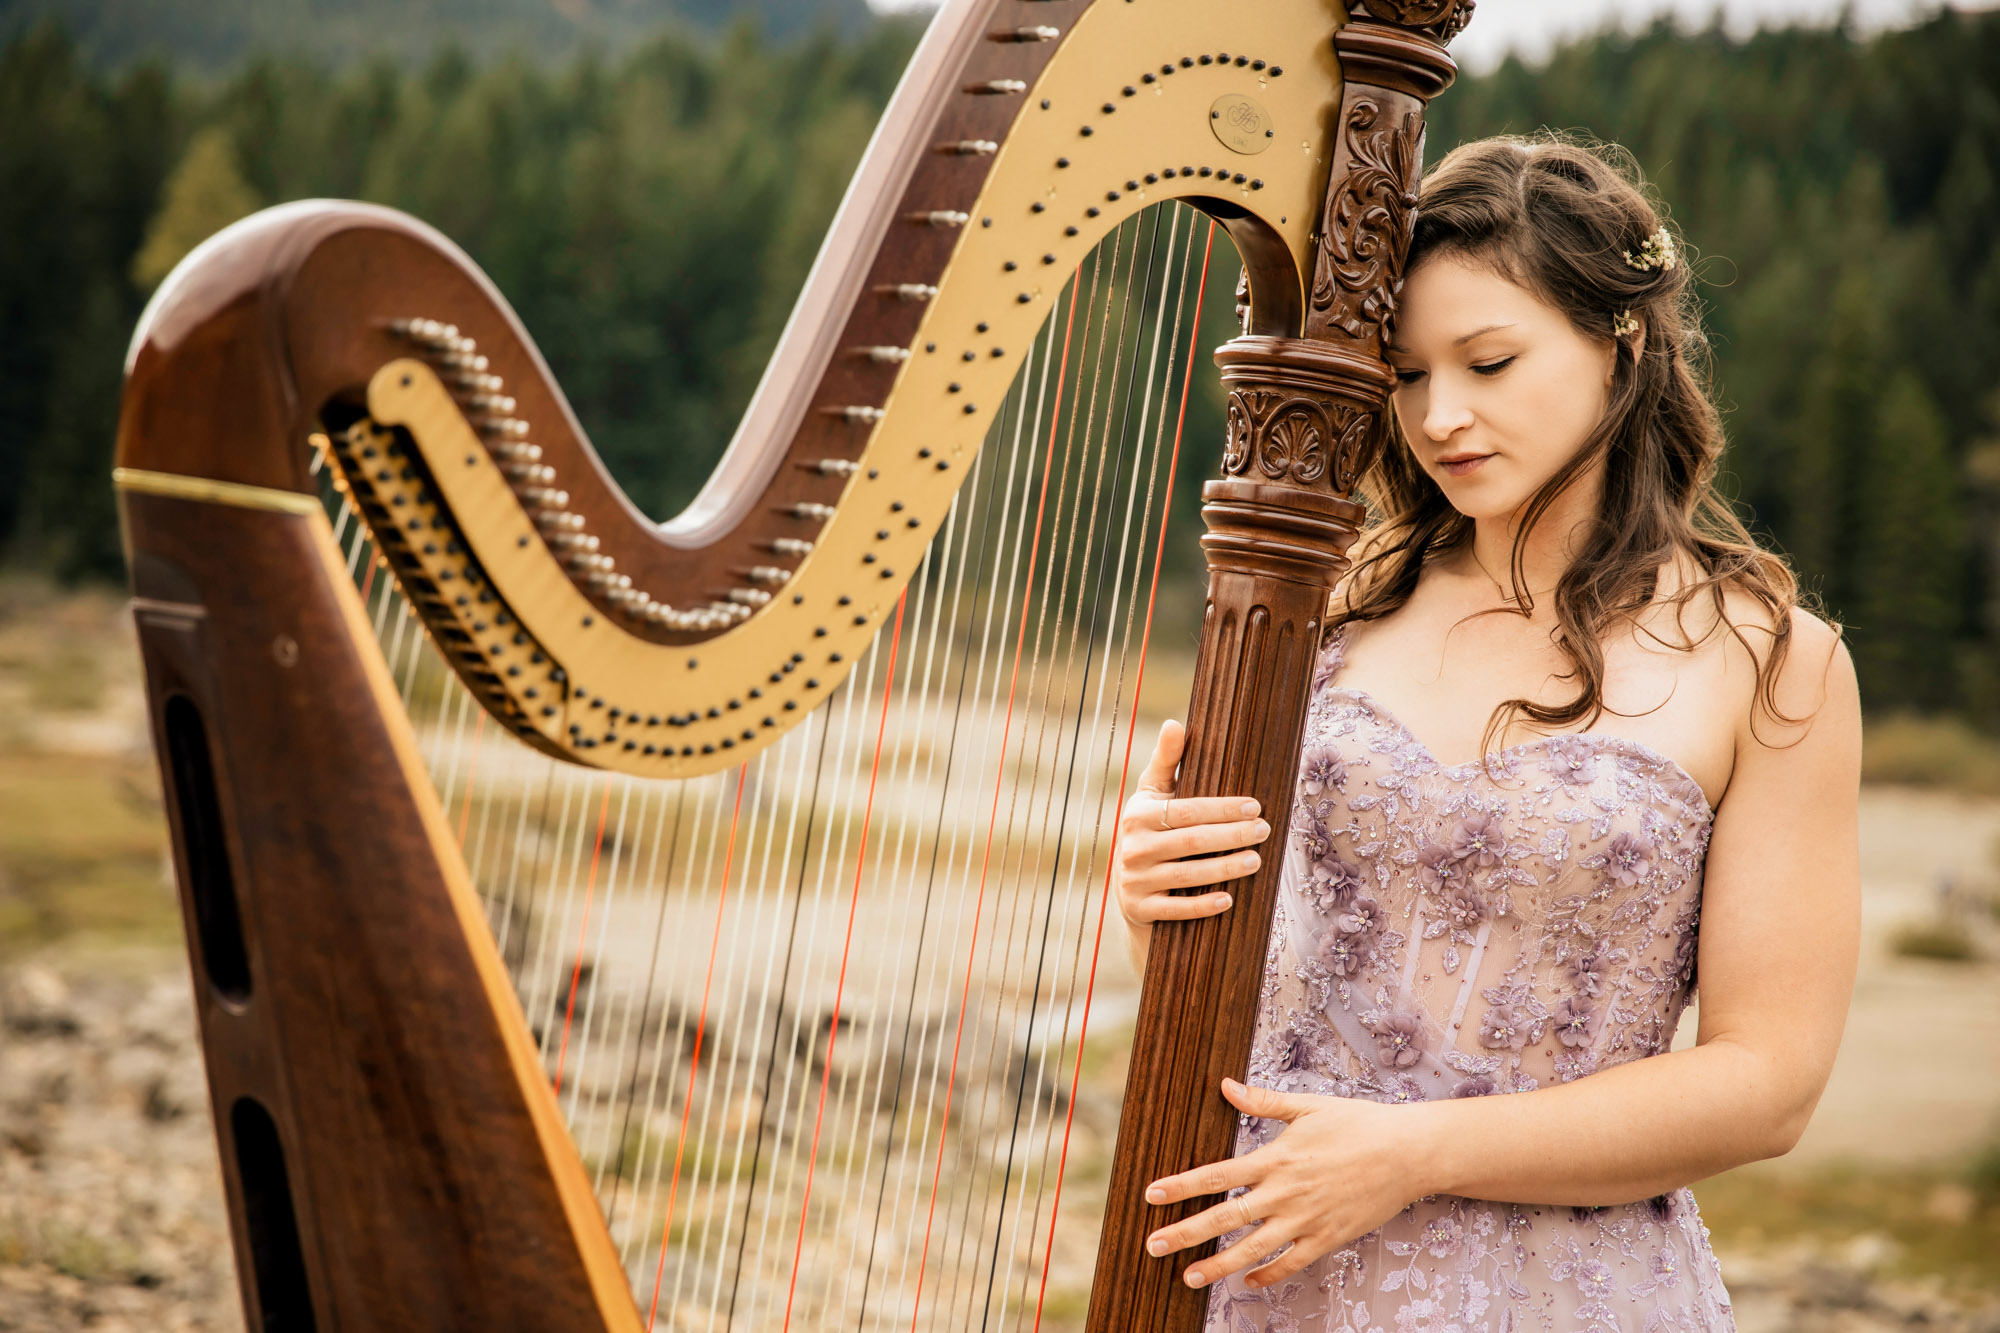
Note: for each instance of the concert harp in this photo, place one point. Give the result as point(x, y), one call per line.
point(603, 924)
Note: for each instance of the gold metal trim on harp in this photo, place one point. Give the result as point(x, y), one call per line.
point(178, 487)
point(1106, 131)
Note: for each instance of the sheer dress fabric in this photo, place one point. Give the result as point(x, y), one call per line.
point(1474, 931)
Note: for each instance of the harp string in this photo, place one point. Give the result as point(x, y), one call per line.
point(771, 1056)
point(876, 1063)
point(700, 1031)
point(863, 1175)
point(1131, 732)
point(965, 994)
point(1032, 842)
point(922, 963)
point(801, 1025)
point(846, 950)
point(906, 1124)
point(610, 1149)
point(720, 1234)
point(1022, 1102)
point(1099, 614)
point(1050, 716)
point(583, 930)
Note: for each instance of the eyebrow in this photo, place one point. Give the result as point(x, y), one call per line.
point(1401, 350)
point(1490, 328)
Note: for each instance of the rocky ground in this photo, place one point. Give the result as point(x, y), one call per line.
point(111, 1214)
point(111, 1217)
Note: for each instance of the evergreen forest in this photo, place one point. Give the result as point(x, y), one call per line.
point(652, 210)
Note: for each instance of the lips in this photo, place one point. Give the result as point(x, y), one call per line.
point(1461, 458)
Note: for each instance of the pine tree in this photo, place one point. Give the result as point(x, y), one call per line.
point(206, 193)
point(1909, 553)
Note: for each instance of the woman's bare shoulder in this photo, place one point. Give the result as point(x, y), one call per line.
point(1814, 684)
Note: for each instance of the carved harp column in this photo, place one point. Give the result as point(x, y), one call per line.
point(1305, 415)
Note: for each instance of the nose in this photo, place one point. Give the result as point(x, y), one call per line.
point(1445, 414)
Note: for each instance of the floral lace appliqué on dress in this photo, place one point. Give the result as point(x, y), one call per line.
point(1469, 931)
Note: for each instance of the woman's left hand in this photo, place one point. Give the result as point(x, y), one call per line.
point(1341, 1169)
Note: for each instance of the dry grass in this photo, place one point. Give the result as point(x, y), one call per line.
point(82, 852)
point(83, 862)
point(83, 847)
point(1938, 1223)
point(1938, 940)
point(1930, 752)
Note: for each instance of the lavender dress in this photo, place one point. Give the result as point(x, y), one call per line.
point(1445, 933)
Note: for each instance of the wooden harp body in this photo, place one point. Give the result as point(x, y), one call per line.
point(422, 678)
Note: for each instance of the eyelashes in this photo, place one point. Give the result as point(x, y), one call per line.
point(1488, 370)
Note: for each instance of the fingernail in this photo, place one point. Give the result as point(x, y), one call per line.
point(1250, 809)
point(1156, 1247)
point(1256, 861)
point(1155, 1194)
point(1223, 900)
point(1263, 830)
point(1194, 1277)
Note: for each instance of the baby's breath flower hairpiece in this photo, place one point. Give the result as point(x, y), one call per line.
point(1656, 253)
point(1623, 324)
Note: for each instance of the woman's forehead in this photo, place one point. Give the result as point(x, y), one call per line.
point(1451, 300)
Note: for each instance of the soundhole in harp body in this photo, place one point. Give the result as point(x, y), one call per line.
point(817, 1022)
point(218, 923)
point(271, 1225)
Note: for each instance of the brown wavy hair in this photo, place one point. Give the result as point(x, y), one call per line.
point(1557, 216)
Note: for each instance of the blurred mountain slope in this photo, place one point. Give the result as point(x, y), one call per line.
point(214, 36)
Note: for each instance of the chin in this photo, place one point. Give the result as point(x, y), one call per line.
point(1483, 502)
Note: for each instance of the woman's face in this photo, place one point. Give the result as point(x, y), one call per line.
point(1496, 389)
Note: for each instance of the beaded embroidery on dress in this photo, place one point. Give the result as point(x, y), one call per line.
point(1466, 931)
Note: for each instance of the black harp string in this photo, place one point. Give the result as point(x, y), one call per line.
point(646, 1009)
point(961, 1234)
point(1023, 842)
point(1063, 805)
point(1054, 694)
point(946, 621)
point(777, 1018)
point(1130, 437)
point(998, 602)
point(986, 596)
point(1141, 559)
point(992, 463)
point(1023, 419)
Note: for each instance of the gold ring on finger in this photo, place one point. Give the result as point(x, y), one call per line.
point(1166, 815)
point(1243, 1211)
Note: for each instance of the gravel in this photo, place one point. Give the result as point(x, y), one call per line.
point(111, 1213)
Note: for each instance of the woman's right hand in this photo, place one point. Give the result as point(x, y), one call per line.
point(1158, 831)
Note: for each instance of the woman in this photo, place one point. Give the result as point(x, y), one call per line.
point(1685, 752)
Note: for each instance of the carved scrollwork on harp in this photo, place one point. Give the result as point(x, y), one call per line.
point(1441, 20)
point(1368, 222)
point(1297, 437)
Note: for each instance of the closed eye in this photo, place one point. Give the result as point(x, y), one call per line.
point(1493, 367)
point(1408, 376)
